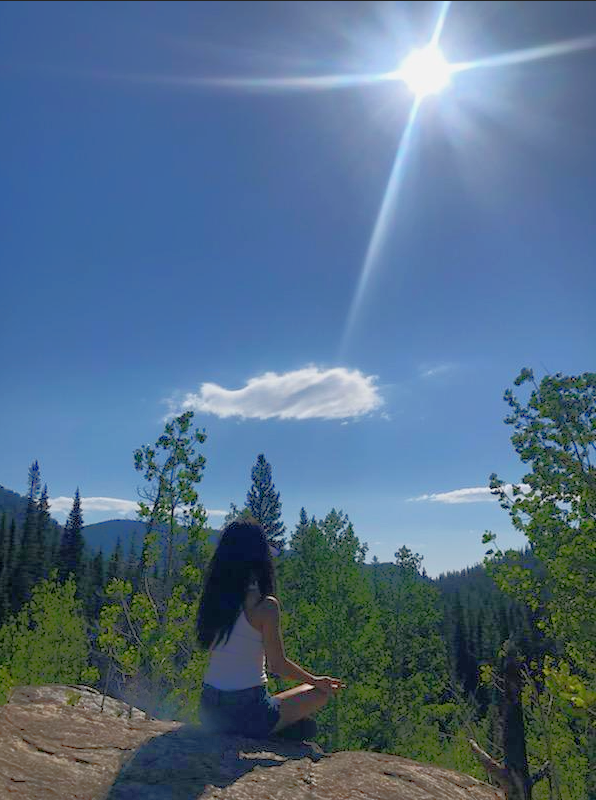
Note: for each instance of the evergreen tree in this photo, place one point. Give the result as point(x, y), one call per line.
point(232, 514)
point(115, 563)
point(375, 577)
point(3, 543)
point(263, 502)
point(55, 538)
point(418, 672)
point(96, 586)
point(6, 578)
point(301, 528)
point(132, 565)
point(29, 564)
point(4, 565)
point(332, 625)
point(42, 527)
point(72, 545)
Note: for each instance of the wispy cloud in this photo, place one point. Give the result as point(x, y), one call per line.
point(115, 505)
point(477, 494)
point(432, 372)
point(309, 393)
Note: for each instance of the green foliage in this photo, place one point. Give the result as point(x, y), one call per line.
point(555, 507)
point(72, 698)
point(151, 630)
point(7, 684)
point(262, 501)
point(550, 736)
point(73, 543)
point(331, 623)
point(28, 568)
point(172, 498)
point(46, 641)
point(413, 620)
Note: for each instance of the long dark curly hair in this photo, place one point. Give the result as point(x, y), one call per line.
point(242, 555)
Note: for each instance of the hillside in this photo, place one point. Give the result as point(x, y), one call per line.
point(105, 535)
point(14, 505)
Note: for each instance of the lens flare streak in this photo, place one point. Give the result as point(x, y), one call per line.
point(338, 81)
point(434, 42)
point(389, 199)
point(529, 54)
point(290, 83)
point(378, 235)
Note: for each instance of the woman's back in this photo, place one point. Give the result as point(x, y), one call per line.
point(240, 663)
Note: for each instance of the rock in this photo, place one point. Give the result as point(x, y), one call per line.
point(50, 749)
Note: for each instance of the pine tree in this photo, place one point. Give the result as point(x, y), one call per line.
point(133, 566)
point(72, 545)
point(263, 502)
point(96, 586)
point(29, 564)
point(54, 547)
point(115, 564)
point(418, 671)
point(232, 514)
point(3, 543)
point(43, 522)
point(464, 669)
point(4, 566)
point(301, 528)
point(334, 628)
point(6, 579)
point(375, 577)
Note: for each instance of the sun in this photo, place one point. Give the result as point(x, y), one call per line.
point(425, 71)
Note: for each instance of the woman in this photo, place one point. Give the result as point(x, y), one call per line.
point(239, 604)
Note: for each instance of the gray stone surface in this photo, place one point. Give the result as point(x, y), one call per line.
point(53, 751)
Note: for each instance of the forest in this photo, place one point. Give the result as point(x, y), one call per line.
point(423, 658)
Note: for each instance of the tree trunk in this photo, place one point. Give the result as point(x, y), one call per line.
point(514, 738)
point(511, 775)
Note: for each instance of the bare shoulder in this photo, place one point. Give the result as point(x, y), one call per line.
point(265, 611)
point(268, 606)
point(261, 607)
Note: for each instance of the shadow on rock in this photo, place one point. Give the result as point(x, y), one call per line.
point(183, 764)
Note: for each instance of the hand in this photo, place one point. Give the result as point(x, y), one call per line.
point(329, 685)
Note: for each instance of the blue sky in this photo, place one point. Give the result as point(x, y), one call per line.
point(171, 240)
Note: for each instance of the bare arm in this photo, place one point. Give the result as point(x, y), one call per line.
point(273, 644)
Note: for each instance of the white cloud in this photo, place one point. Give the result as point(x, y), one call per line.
point(309, 393)
point(432, 372)
point(115, 505)
point(62, 505)
point(477, 494)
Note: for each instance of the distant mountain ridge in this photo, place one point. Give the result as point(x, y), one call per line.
point(98, 535)
point(105, 535)
point(14, 505)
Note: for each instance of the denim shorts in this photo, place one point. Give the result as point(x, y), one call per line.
point(248, 712)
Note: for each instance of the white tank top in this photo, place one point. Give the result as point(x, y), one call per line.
point(240, 663)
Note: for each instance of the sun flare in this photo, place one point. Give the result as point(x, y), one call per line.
point(425, 71)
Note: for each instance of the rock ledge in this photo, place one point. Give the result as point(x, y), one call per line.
point(50, 750)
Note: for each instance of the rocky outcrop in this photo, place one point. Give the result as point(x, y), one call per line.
point(56, 744)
